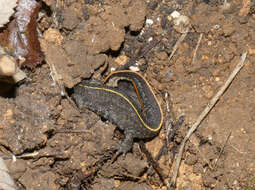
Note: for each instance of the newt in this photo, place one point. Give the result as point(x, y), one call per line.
point(134, 108)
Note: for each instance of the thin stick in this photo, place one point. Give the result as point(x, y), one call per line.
point(195, 52)
point(153, 163)
point(57, 79)
point(37, 155)
point(221, 151)
point(241, 152)
point(201, 117)
point(128, 176)
point(177, 44)
point(72, 131)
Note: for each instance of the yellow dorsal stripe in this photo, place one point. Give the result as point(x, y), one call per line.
point(147, 84)
point(129, 102)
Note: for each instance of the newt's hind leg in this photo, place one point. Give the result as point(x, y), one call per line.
point(125, 146)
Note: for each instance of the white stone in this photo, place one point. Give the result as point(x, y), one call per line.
point(134, 68)
point(175, 14)
point(182, 24)
point(113, 69)
point(149, 21)
point(150, 39)
point(7, 65)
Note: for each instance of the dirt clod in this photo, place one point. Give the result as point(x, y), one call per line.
point(70, 18)
point(36, 179)
point(21, 128)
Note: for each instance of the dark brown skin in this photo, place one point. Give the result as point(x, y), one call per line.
point(134, 109)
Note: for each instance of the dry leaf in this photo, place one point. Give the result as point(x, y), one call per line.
point(6, 10)
point(6, 182)
point(21, 36)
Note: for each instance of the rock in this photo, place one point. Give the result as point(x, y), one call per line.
point(7, 65)
point(53, 35)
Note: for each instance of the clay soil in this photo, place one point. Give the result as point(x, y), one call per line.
point(57, 147)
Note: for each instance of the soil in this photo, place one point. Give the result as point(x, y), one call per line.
point(57, 147)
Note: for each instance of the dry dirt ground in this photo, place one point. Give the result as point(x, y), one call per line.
point(57, 147)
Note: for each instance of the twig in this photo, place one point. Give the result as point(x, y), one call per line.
point(171, 130)
point(201, 117)
point(167, 102)
point(57, 78)
point(221, 151)
point(177, 44)
point(37, 155)
point(72, 131)
point(125, 174)
point(153, 163)
point(241, 152)
point(195, 52)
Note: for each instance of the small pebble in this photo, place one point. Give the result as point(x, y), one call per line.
point(216, 26)
point(7, 65)
point(150, 39)
point(134, 68)
point(182, 24)
point(53, 35)
point(217, 79)
point(113, 69)
point(142, 32)
point(175, 14)
point(149, 22)
point(243, 131)
point(121, 60)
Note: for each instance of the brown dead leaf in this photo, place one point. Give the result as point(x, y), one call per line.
point(20, 38)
